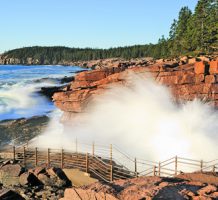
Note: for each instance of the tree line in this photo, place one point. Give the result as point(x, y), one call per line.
point(195, 32)
point(192, 33)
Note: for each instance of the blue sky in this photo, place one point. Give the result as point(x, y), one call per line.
point(86, 23)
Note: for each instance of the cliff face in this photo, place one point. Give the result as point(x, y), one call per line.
point(186, 81)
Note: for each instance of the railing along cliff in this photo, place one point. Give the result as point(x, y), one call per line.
point(105, 162)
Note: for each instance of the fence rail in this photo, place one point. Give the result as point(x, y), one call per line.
point(106, 163)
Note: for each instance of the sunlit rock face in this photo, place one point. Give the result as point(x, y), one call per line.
point(186, 81)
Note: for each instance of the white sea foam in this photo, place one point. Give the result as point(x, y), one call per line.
point(20, 100)
point(16, 96)
point(18, 87)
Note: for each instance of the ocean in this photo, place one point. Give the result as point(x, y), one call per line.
point(19, 85)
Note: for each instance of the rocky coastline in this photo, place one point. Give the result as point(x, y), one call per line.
point(103, 63)
point(24, 129)
point(188, 78)
point(21, 129)
point(18, 182)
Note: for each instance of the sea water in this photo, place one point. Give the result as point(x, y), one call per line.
point(19, 85)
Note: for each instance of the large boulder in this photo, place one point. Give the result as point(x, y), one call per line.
point(200, 67)
point(214, 67)
point(29, 179)
point(9, 174)
point(58, 175)
point(46, 180)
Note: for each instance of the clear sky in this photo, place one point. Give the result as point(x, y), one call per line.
point(86, 23)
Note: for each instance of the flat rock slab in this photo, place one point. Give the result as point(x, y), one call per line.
point(78, 178)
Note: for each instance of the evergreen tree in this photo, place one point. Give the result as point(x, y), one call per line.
point(180, 42)
point(173, 28)
point(204, 25)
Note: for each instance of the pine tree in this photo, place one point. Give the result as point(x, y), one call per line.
point(181, 30)
point(204, 24)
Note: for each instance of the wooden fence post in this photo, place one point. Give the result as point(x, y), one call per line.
point(76, 146)
point(111, 173)
point(136, 173)
point(87, 162)
point(214, 169)
point(48, 157)
point(62, 158)
point(159, 167)
point(111, 154)
point(176, 165)
point(36, 156)
point(111, 163)
point(93, 149)
point(201, 165)
point(24, 156)
point(154, 170)
point(14, 153)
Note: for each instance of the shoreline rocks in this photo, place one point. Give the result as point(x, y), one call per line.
point(145, 188)
point(186, 81)
point(31, 184)
point(109, 62)
point(50, 91)
point(27, 128)
point(23, 129)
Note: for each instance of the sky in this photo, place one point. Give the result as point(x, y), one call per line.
point(86, 23)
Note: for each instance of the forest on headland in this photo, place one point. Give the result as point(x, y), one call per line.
point(192, 33)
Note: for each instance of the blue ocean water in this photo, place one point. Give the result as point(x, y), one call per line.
point(19, 85)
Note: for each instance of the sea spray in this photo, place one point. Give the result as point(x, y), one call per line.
point(143, 120)
point(22, 100)
point(19, 87)
point(16, 96)
point(53, 136)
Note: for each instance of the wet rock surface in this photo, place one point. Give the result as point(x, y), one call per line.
point(49, 91)
point(22, 129)
point(61, 84)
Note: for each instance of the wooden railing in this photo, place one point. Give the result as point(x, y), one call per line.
point(102, 168)
point(106, 162)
